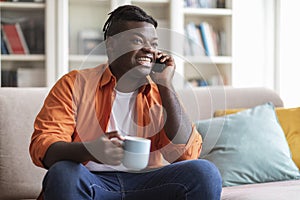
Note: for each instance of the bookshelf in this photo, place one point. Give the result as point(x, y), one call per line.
point(34, 19)
point(213, 69)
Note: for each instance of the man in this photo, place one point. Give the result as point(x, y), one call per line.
point(88, 112)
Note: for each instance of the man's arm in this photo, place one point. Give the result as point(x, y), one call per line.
point(58, 151)
point(178, 126)
point(54, 127)
point(186, 141)
point(101, 150)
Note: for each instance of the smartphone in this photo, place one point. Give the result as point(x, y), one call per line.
point(158, 66)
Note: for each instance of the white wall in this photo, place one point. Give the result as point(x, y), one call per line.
point(288, 68)
point(266, 39)
point(253, 43)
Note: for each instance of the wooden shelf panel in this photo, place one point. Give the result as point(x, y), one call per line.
point(207, 11)
point(91, 2)
point(150, 1)
point(209, 60)
point(30, 57)
point(88, 58)
point(21, 5)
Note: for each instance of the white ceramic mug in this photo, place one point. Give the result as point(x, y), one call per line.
point(137, 151)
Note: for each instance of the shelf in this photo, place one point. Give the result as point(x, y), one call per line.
point(207, 11)
point(208, 60)
point(37, 24)
point(89, 58)
point(30, 57)
point(91, 2)
point(21, 5)
point(150, 1)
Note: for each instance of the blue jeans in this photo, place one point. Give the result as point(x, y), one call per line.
point(186, 180)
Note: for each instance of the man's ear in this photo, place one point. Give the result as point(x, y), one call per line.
point(109, 43)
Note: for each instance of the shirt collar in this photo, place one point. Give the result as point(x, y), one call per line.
point(108, 77)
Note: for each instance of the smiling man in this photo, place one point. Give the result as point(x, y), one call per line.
point(88, 112)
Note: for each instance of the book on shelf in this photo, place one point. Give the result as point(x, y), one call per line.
point(8, 78)
point(194, 40)
point(33, 31)
point(221, 4)
point(197, 82)
point(14, 39)
point(204, 3)
point(222, 43)
point(208, 3)
point(186, 48)
point(4, 49)
point(209, 39)
point(215, 40)
point(37, 1)
point(204, 40)
point(214, 80)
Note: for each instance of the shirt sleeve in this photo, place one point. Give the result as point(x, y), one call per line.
point(179, 152)
point(55, 121)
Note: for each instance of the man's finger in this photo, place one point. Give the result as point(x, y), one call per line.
point(114, 134)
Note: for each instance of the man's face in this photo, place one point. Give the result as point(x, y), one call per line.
point(133, 50)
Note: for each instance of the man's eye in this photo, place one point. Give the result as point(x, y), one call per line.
point(154, 45)
point(138, 41)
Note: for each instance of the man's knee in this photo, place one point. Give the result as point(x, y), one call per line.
point(64, 167)
point(63, 171)
point(204, 170)
point(205, 178)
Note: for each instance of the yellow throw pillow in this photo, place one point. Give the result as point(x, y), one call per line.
point(289, 119)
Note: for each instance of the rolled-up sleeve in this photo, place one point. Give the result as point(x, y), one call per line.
point(179, 152)
point(55, 121)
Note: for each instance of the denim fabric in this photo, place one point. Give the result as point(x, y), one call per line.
point(185, 180)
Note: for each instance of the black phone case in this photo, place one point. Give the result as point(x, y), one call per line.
point(158, 66)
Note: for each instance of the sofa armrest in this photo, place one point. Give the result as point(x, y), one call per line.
point(19, 178)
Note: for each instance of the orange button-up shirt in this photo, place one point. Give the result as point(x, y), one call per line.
point(78, 109)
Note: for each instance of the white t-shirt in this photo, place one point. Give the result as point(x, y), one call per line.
point(122, 120)
point(122, 114)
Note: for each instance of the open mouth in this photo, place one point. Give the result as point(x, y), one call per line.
point(146, 61)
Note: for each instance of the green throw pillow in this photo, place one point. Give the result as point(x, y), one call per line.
point(248, 147)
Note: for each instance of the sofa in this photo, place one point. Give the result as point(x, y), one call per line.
point(20, 179)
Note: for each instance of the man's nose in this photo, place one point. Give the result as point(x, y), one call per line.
point(149, 44)
point(148, 48)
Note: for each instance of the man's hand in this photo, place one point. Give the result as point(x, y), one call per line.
point(164, 77)
point(107, 149)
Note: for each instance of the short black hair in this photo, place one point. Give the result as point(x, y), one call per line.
point(126, 13)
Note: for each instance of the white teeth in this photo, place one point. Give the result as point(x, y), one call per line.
point(144, 59)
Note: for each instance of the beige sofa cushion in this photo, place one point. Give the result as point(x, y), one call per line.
point(283, 190)
point(202, 102)
point(19, 178)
